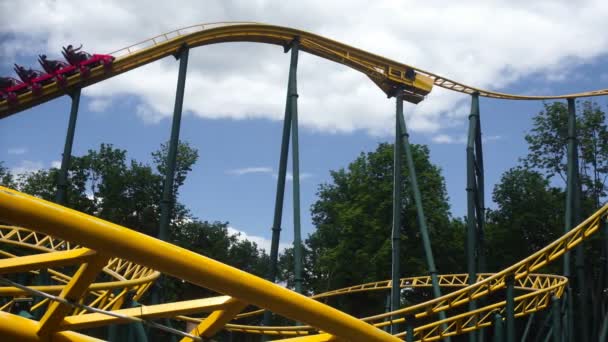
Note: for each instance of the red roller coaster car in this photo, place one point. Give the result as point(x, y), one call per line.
point(85, 61)
point(35, 79)
point(60, 70)
point(10, 88)
point(55, 71)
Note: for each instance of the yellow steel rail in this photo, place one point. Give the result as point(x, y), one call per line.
point(127, 276)
point(116, 241)
point(91, 234)
point(386, 73)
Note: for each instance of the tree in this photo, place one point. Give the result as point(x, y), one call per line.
point(529, 216)
point(6, 177)
point(352, 244)
point(548, 142)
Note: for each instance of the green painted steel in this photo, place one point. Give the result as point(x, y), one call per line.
point(480, 206)
point(472, 203)
point(510, 308)
point(604, 331)
point(166, 204)
point(524, 336)
point(280, 194)
point(297, 235)
point(557, 322)
point(409, 333)
point(498, 329)
point(424, 232)
point(574, 183)
point(62, 176)
point(396, 231)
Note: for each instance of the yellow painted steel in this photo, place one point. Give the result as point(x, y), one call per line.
point(147, 311)
point(129, 277)
point(114, 240)
point(49, 218)
point(386, 73)
point(73, 291)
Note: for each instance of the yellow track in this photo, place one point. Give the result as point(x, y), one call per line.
point(97, 242)
point(386, 73)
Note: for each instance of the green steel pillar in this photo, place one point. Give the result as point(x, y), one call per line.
point(573, 217)
point(480, 192)
point(428, 250)
point(524, 336)
point(498, 331)
point(472, 203)
point(297, 238)
point(396, 232)
point(557, 319)
point(166, 204)
point(278, 203)
point(409, 331)
point(604, 330)
point(510, 308)
point(62, 176)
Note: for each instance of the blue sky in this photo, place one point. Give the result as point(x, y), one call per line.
point(236, 92)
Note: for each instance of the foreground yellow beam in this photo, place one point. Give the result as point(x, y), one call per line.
point(44, 260)
point(112, 239)
point(73, 291)
point(168, 310)
point(216, 321)
point(17, 328)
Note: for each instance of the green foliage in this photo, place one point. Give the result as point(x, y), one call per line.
point(352, 244)
point(529, 216)
point(548, 142)
point(215, 241)
point(6, 177)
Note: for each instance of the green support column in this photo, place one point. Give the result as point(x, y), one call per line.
point(604, 330)
point(278, 203)
point(510, 308)
point(557, 319)
point(524, 336)
point(480, 192)
point(62, 176)
point(498, 331)
point(409, 331)
point(396, 231)
point(472, 203)
point(573, 217)
point(297, 238)
point(428, 250)
point(166, 204)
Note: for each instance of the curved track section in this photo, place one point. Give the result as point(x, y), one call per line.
point(388, 74)
point(121, 278)
point(98, 241)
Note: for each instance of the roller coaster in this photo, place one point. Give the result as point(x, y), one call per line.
point(96, 272)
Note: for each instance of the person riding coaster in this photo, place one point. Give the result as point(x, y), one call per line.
point(74, 55)
point(50, 65)
point(27, 75)
point(6, 82)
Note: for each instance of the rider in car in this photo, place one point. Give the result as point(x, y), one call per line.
point(53, 65)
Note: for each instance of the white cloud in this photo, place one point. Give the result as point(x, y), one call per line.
point(248, 170)
point(27, 166)
point(490, 138)
point(262, 242)
point(449, 139)
point(56, 164)
point(17, 150)
point(475, 42)
point(289, 176)
point(99, 105)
